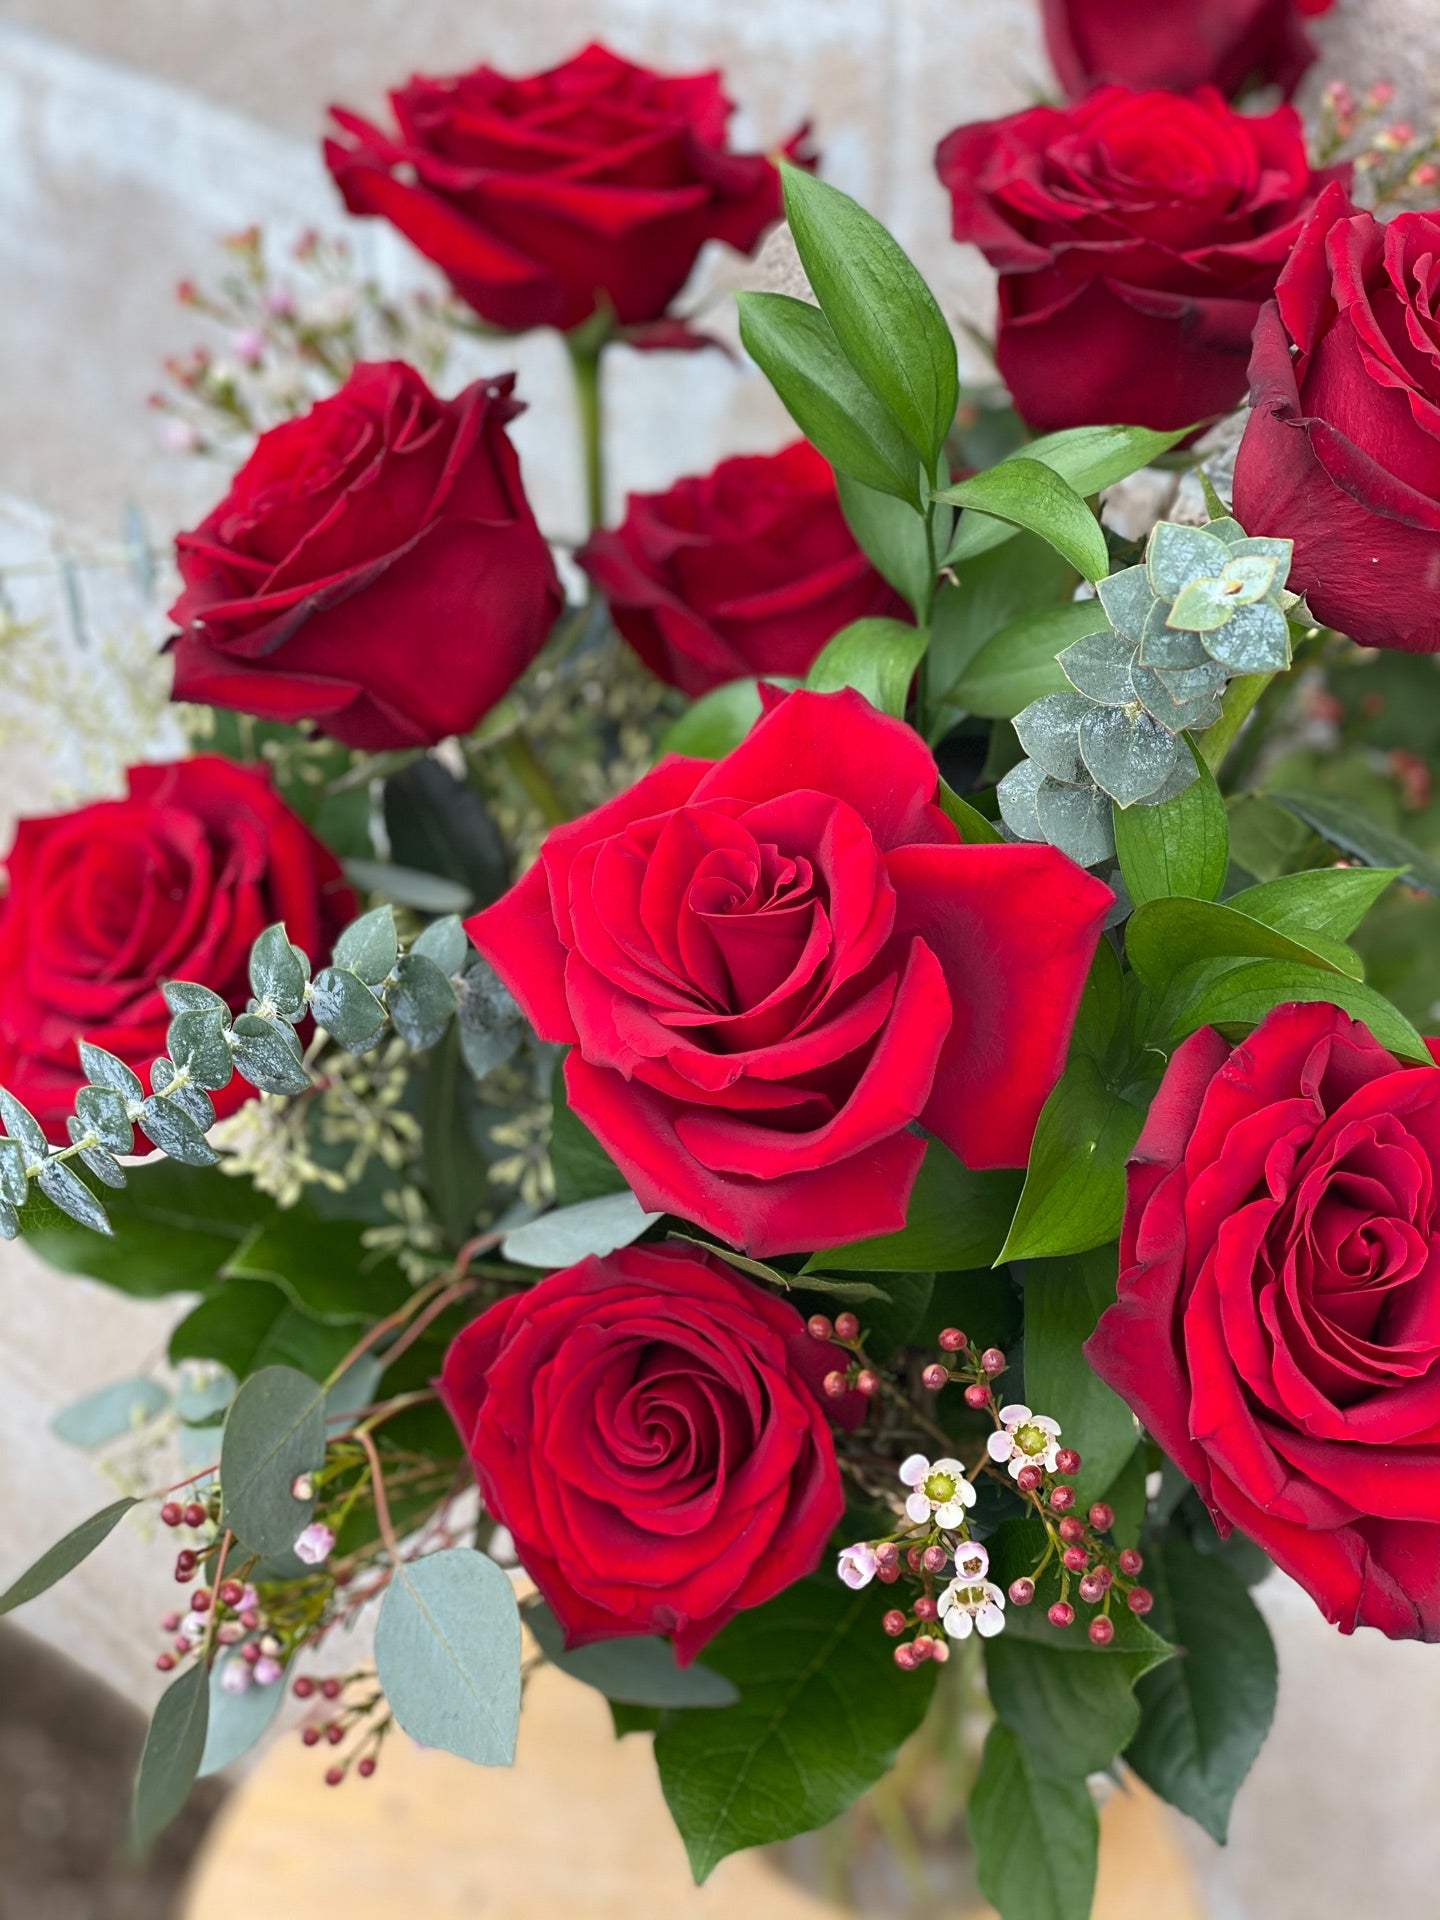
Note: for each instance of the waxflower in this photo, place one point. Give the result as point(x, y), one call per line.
point(1024, 1439)
point(857, 1564)
point(972, 1606)
point(315, 1544)
point(939, 1491)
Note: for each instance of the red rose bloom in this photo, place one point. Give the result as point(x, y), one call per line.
point(1227, 44)
point(543, 198)
point(649, 1427)
point(770, 966)
point(749, 570)
point(375, 567)
point(1137, 237)
point(107, 902)
point(1278, 1320)
point(1342, 449)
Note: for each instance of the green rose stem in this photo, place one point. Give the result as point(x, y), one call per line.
point(585, 351)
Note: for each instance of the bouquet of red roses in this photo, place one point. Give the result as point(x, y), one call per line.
point(816, 1107)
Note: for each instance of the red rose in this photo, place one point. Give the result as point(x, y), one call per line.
point(649, 1428)
point(1278, 1321)
point(1227, 44)
point(749, 570)
point(1137, 236)
point(107, 902)
point(375, 567)
point(543, 198)
point(1342, 449)
point(769, 967)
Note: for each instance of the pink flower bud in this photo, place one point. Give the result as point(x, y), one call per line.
point(1140, 1600)
point(1022, 1591)
point(1076, 1559)
point(952, 1340)
point(993, 1361)
point(867, 1382)
point(834, 1384)
point(894, 1623)
point(1102, 1517)
point(934, 1377)
point(818, 1327)
point(1067, 1460)
point(1130, 1561)
point(925, 1608)
point(934, 1558)
point(977, 1396)
point(940, 1651)
point(1029, 1479)
point(1101, 1630)
point(1062, 1498)
point(1071, 1530)
point(906, 1656)
point(1092, 1588)
point(1062, 1614)
point(846, 1326)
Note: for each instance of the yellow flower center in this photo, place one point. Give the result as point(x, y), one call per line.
point(940, 1488)
point(1031, 1439)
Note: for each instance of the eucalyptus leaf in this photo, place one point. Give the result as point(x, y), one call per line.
point(103, 1069)
point(23, 1127)
point(278, 972)
point(1098, 664)
point(1254, 640)
point(1128, 600)
point(1076, 820)
point(446, 943)
point(171, 1760)
point(65, 1555)
point(70, 1193)
point(192, 1100)
point(181, 996)
point(1049, 731)
point(236, 1721)
point(1176, 555)
point(274, 1435)
point(1129, 755)
point(368, 947)
point(99, 1160)
point(121, 1407)
point(567, 1234)
point(175, 1133)
point(102, 1112)
point(1017, 795)
point(421, 1001)
point(447, 1652)
point(346, 1008)
point(264, 1053)
point(196, 1041)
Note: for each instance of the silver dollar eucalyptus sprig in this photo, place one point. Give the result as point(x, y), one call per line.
point(1208, 605)
point(369, 987)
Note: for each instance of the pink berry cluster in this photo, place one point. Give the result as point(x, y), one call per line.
point(1100, 1572)
point(351, 1721)
point(1394, 162)
point(844, 1330)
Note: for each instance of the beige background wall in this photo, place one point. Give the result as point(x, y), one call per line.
point(132, 132)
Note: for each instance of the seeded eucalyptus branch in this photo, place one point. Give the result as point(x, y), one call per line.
point(369, 987)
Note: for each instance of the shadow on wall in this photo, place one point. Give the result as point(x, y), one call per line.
point(68, 1749)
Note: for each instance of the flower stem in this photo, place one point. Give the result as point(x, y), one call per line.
point(525, 764)
point(585, 363)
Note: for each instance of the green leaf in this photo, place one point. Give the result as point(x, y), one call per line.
point(181, 996)
point(1180, 847)
point(274, 1433)
point(1164, 936)
point(1347, 825)
point(1036, 1835)
point(1018, 665)
point(955, 1219)
point(455, 1173)
point(346, 1008)
point(567, 1234)
point(368, 946)
point(65, 1555)
point(72, 1196)
point(716, 722)
point(170, 1763)
point(321, 1265)
point(175, 1133)
point(1075, 1187)
point(251, 1324)
point(421, 1000)
point(878, 657)
point(892, 536)
point(583, 1169)
point(991, 592)
point(1329, 901)
point(447, 1652)
point(820, 1718)
point(438, 824)
point(1063, 1301)
point(23, 1127)
point(14, 1187)
point(119, 1408)
point(102, 1069)
point(886, 320)
point(639, 1670)
point(196, 1041)
point(1241, 993)
point(409, 886)
point(1027, 493)
point(237, 1721)
point(1205, 1715)
point(491, 1025)
point(794, 346)
point(897, 1315)
point(974, 829)
point(446, 942)
point(278, 973)
point(265, 1055)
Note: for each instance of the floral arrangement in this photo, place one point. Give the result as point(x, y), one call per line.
point(823, 1122)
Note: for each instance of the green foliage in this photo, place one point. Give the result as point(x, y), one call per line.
point(1029, 494)
point(1036, 1836)
point(1180, 847)
point(885, 319)
point(1063, 1301)
point(65, 1555)
point(1360, 836)
point(995, 591)
point(638, 1671)
point(1205, 1714)
point(1075, 1184)
point(236, 1721)
point(877, 657)
point(819, 1719)
point(893, 538)
point(567, 1234)
point(113, 1410)
point(955, 1219)
point(447, 1651)
point(720, 719)
point(438, 824)
point(583, 1169)
point(174, 1748)
point(1018, 664)
point(274, 1439)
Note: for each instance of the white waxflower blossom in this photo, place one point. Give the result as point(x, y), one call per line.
point(235, 1676)
point(315, 1544)
point(856, 1565)
point(972, 1562)
point(1024, 1439)
point(972, 1606)
point(940, 1490)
